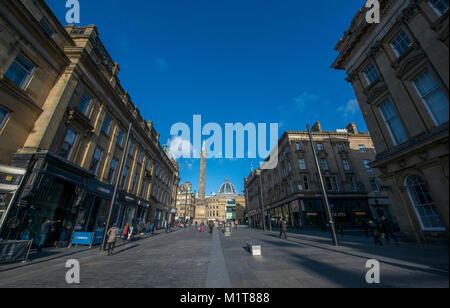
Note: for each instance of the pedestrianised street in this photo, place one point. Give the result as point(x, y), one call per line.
point(188, 259)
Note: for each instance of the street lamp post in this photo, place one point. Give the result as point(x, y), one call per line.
point(325, 196)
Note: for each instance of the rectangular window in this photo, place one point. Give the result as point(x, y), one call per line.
point(124, 177)
point(112, 171)
point(366, 165)
point(134, 186)
point(131, 148)
point(341, 147)
point(144, 189)
point(324, 164)
point(139, 160)
point(302, 164)
point(432, 96)
point(3, 117)
point(68, 144)
point(346, 164)
point(298, 146)
point(354, 186)
point(374, 185)
point(371, 74)
point(329, 183)
point(120, 138)
point(20, 71)
point(320, 147)
point(85, 104)
point(336, 184)
point(95, 164)
point(106, 125)
point(46, 27)
point(439, 6)
point(362, 148)
point(393, 123)
point(401, 43)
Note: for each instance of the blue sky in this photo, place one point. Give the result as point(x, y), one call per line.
point(260, 61)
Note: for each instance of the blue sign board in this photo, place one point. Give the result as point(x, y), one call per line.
point(98, 237)
point(82, 238)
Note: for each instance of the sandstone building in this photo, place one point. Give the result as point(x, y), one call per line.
point(185, 203)
point(64, 117)
point(399, 72)
point(292, 189)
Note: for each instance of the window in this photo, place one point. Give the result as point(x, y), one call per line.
point(302, 164)
point(439, 6)
point(124, 177)
point(95, 164)
point(362, 148)
point(20, 71)
point(106, 125)
point(112, 170)
point(423, 204)
point(324, 164)
point(433, 97)
point(3, 117)
point(320, 147)
point(147, 166)
point(306, 183)
point(85, 104)
point(366, 165)
point(134, 186)
point(144, 189)
point(341, 147)
point(298, 146)
point(120, 138)
point(401, 43)
point(374, 184)
point(354, 186)
point(336, 184)
point(68, 144)
point(346, 164)
point(46, 27)
point(371, 74)
point(393, 123)
point(131, 148)
point(329, 183)
point(139, 160)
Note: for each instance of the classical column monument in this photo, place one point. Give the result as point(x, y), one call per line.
point(200, 207)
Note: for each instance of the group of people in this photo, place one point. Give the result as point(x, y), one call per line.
point(383, 229)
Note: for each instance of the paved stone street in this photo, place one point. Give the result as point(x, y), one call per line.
point(188, 259)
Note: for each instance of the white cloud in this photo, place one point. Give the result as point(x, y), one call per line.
point(349, 109)
point(181, 148)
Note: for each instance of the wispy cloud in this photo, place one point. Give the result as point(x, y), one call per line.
point(304, 99)
point(349, 109)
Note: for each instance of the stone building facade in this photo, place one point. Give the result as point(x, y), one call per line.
point(65, 119)
point(399, 72)
point(292, 189)
point(185, 203)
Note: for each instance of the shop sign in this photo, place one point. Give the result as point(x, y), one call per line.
point(103, 190)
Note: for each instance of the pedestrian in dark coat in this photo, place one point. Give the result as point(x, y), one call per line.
point(374, 227)
point(388, 230)
point(283, 227)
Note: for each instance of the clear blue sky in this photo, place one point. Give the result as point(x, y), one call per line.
point(261, 61)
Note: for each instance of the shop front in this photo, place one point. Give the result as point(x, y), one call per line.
point(54, 191)
point(10, 180)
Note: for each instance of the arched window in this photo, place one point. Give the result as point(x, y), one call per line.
point(423, 204)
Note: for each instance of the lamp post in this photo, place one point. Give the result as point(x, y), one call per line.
point(324, 191)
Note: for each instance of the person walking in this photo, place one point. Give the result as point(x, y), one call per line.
point(388, 230)
point(112, 233)
point(211, 226)
point(44, 232)
point(126, 232)
point(283, 228)
point(375, 229)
